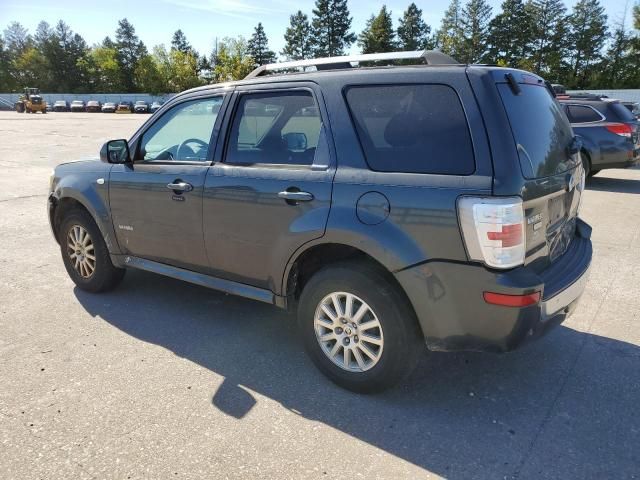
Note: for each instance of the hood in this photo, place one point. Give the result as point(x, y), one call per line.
point(83, 165)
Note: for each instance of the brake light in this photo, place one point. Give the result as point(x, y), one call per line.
point(621, 129)
point(511, 300)
point(493, 230)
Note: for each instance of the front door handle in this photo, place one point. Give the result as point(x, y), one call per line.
point(180, 186)
point(295, 196)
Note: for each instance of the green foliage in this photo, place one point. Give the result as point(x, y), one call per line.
point(258, 47)
point(378, 35)
point(413, 32)
point(449, 36)
point(130, 49)
point(232, 61)
point(588, 32)
point(330, 26)
point(511, 34)
point(297, 37)
point(474, 25)
point(573, 48)
point(550, 38)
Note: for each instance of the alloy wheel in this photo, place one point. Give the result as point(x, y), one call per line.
point(80, 251)
point(348, 332)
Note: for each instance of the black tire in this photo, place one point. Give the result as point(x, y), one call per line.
point(586, 164)
point(403, 343)
point(104, 276)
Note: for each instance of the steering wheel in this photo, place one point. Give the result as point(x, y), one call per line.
point(184, 145)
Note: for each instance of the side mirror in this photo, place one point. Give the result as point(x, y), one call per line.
point(296, 141)
point(115, 151)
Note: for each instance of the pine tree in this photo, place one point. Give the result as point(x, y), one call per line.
point(413, 32)
point(179, 42)
point(511, 35)
point(474, 23)
point(330, 28)
point(258, 47)
point(298, 44)
point(449, 35)
point(550, 38)
point(588, 27)
point(615, 67)
point(378, 35)
point(130, 49)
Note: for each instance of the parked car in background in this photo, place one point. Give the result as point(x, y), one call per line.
point(77, 106)
point(60, 106)
point(141, 107)
point(49, 107)
point(109, 107)
point(124, 107)
point(386, 240)
point(94, 106)
point(633, 107)
point(609, 132)
point(559, 89)
point(155, 106)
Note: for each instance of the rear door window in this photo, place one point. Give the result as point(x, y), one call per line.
point(541, 131)
point(582, 114)
point(412, 128)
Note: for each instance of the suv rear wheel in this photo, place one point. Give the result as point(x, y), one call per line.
point(85, 253)
point(357, 328)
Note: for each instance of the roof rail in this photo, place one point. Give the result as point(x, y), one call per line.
point(430, 57)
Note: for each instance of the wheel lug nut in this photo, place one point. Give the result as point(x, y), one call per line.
point(355, 339)
point(346, 341)
point(339, 331)
point(343, 320)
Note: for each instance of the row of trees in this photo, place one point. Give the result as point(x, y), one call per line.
point(576, 48)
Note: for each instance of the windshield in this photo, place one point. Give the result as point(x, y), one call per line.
point(540, 128)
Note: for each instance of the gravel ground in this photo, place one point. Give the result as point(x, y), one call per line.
point(161, 379)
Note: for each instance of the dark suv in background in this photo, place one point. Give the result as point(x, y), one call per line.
point(391, 207)
point(609, 132)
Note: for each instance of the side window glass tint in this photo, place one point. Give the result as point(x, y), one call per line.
point(582, 114)
point(412, 129)
point(279, 128)
point(183, 133)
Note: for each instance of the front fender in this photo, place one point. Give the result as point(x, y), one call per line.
point(84, 188)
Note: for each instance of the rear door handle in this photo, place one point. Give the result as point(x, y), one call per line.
point(296, 196)
point(180, 187)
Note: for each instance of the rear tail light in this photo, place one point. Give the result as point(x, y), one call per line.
point(621, 129)
point(493, 230)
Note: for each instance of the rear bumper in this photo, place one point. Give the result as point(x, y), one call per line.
point(448, 299)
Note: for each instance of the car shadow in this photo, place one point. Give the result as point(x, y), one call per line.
point(603, 183)
point(459, 415)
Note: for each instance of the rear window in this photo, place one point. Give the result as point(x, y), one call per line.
point(412, 128)
point(623, 114)
point(540, 129)
point(582, 114)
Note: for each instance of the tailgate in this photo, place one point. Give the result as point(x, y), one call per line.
point(552, 170)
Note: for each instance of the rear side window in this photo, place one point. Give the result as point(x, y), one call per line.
point(623, 114)
point(582, 114)
point(540, 129)
point(412, 128)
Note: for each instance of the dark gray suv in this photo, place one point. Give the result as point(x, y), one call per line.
point(393, 207)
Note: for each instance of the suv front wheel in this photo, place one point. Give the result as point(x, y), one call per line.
point(85, 254)
point(357, 328)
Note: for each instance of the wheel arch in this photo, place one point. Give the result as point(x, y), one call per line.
point(66, 198)
point(316, 256)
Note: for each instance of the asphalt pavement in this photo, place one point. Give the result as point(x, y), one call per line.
point(161, 379)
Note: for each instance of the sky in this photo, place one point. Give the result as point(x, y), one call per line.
point(205, 20)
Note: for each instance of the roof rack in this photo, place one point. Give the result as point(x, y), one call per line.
point(430, 57)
